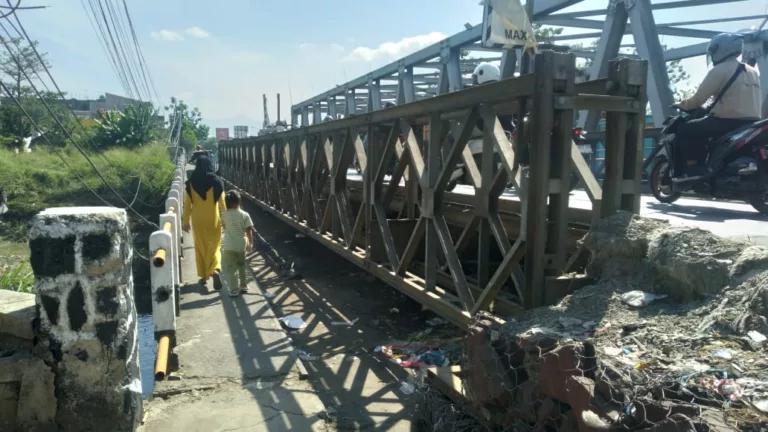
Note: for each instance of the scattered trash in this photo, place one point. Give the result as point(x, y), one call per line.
point(407, 388)
point(174, 377)
point(305, 355)
point(394, 310)
point(436, 321)
point(300, 235)
point(345, 323)
point(342, 357)
point(268, 295)
point(705, 345)
point(762, 405)
point(722, 353)
point(434, 358)
point(570, 322)
point(629, 328)
point(293, 322)
point(639, 298)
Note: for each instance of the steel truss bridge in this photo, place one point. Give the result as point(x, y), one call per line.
point(439, 68)
point(457, 254)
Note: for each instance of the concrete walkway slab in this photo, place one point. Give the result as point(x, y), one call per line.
point(238, 368)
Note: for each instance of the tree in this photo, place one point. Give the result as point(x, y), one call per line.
point(14, 71)
point(191, 123)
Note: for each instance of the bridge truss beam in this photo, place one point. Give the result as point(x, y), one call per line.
point(301, 177)
point(623, 17)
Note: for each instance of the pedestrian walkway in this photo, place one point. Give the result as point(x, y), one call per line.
point(237, 366)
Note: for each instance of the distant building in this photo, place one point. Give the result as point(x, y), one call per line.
point(241, 131)
point(109, 102)
point(89, 109)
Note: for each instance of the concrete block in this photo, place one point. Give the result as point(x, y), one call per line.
point(81, 258)
point(27, 391)
point(17, 310)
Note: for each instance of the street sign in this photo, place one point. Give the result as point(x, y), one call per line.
point(506, 25)
point(222, 134)
point(241, 131)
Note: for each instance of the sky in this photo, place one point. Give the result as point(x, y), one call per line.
point(222, 56)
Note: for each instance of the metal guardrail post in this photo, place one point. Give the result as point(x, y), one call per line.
point(169, 221)
point(165, 269)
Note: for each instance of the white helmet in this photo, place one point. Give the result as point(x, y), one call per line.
point(724, 46)
point(485, 73)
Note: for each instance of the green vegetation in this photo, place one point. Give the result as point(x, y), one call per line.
point(35, 181)
point(17, 277)
point(192, 130)
point(138, 125)
point(129, 149)
point(38, 180)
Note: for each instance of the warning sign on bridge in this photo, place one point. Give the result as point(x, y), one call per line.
point(506, 25)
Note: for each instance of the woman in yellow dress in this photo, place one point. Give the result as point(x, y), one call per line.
point(203, 206)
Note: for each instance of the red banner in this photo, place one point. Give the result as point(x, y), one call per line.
point(222, 134)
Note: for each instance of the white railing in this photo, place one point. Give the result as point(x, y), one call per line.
point(165, 273)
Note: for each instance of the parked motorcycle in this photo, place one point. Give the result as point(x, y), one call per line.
point(737, 165)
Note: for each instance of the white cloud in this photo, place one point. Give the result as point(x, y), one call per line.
point(395, 50)
point(166, 35)
point(197, 32)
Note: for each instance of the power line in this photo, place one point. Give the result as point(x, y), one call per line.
point(138, 47)
point(26, 114)
point(21, 31)
point(99, 29)
point(118, 33)
point(74, 142)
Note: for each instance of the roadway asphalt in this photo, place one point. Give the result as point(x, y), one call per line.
point(743, 221)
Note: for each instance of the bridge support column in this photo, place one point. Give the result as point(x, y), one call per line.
point(81, 258)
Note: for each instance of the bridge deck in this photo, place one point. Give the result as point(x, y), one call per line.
point(745, 221)
point(234, 352)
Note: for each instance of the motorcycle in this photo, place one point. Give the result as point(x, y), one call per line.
point(737, 165)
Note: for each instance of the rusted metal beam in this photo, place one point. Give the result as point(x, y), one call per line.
point(300, 176)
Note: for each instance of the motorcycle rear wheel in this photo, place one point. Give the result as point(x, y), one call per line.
point(660, 182)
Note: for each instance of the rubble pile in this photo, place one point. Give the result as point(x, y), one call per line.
point(671, 336)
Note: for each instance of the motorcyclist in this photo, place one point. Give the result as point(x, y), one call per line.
point(486, 73)
point(740, 104)
point(198, 153)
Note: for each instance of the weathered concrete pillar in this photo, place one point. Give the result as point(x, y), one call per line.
point(81, 257)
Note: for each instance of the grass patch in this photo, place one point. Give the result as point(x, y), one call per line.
point(17, 277)
point(38, 180)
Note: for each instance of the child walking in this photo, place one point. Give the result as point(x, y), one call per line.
point(238, 238)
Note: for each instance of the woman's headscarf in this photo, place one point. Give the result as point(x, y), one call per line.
point(203, 178)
